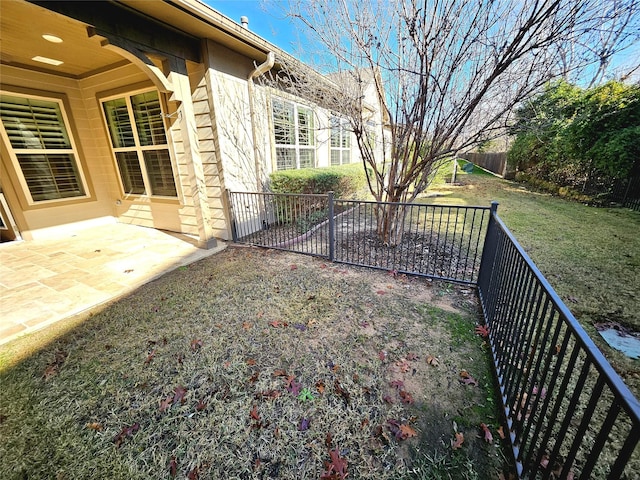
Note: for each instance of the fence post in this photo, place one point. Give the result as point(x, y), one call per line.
point(488, 251)
point(626, 192)
point(232, 217)
point(331, 227)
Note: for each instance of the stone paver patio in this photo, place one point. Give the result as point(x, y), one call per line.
point(43, 281)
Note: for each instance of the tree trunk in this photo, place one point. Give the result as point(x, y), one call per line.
point(390, 222)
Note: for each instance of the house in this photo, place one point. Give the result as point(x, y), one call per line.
point(145, 112)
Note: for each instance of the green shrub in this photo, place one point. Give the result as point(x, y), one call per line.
point(344, 180)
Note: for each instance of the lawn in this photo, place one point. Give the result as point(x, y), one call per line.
point(590, 255)
point(257, 364)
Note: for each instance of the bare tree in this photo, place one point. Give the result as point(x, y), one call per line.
point(446, 73)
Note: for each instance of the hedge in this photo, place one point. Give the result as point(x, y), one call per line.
point(343, 180)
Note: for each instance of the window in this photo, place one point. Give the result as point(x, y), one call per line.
point(294, 135)
point(140, 145)
point(42, 146)
point(340, 142)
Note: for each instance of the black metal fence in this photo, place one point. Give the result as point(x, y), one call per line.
point(436, 241)
point(569, 414)
point(626, 191)
point(296, 223)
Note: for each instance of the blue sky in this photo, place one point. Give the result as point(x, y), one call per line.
point(271, 25)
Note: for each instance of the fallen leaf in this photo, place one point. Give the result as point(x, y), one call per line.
point(279, 373)
point(304, 424)
point(487, 433)
point(173, 467)
point(124, 433)
point(254, 378)
point(180, 392)
point(406, 397)
point(501, 432)
point(543, 392)
point(403, 365)
point(320, 387)
point(337, 468)
point(381, 292)
point(341, 391)
point(201, 405)
point(397, 384)
point(388, 399)
point(166, 403)
point(412, 357)
point(467, 379)
point(293, 387)
point(196, 344)
point(400, 430)
point(246, 325)
point(254, 413)
point(194, 474)
point(328, 440)
point(60, 356)
point(382, 355)
point(150, 357)
point(407, 431)
point(431, 360)
point(482, 330)
point(294, 267)
point(457, 443)
point(270, 394)
point(278, 324)
point(251, 361)
point(94, 426)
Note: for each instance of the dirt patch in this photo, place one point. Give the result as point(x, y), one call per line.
point(260, 364)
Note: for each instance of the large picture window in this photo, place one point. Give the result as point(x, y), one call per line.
point(42, 146)
point(139, 144)
point(340, 142)
point(294, 133)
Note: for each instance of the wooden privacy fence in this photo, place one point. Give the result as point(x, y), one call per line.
point(494, 162)
point(569, 415)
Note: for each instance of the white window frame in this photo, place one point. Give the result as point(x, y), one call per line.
point(340, 141)
point(72, 150)
point(138, 148)
point(296, 146)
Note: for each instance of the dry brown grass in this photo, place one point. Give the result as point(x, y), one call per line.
point(257, 364)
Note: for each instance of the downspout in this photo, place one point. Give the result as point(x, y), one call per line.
point(261, 69)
